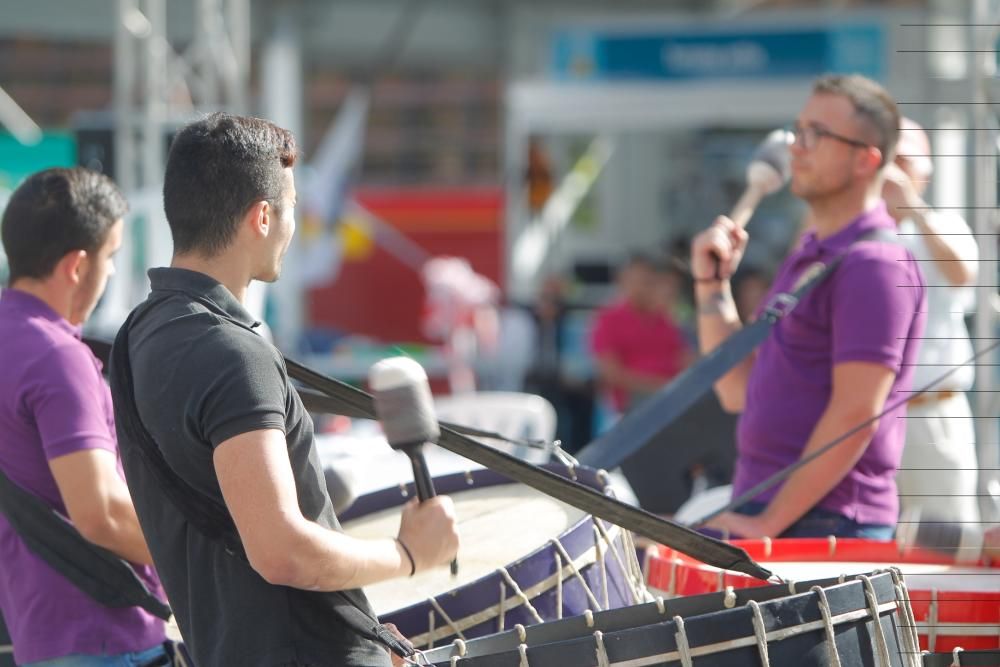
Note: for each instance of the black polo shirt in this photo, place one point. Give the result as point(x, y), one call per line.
point(202, 376)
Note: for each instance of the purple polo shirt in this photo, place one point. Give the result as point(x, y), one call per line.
point(53, 401)
point(869, 309)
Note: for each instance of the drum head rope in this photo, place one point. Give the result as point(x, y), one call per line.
point(760, 632)
point(566, 568)
point(685, 653)
point(831, 640)
point(602, 653)
point(882, 648)
point(627, 570)
point(353, 401)
point(682, 643)
point(909, 621)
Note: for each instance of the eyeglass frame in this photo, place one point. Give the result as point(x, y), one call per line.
point(818, 133)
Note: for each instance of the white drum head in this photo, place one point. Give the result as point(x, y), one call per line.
point(498, 525)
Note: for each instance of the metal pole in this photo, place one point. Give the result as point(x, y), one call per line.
point(154, 116)
point(984, 151)
point(238, 23)
point(124, 96)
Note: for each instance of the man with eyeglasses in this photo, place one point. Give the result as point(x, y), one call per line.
point(844, 353)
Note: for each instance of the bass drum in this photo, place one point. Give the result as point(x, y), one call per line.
point(524, 558)
point(862, 621)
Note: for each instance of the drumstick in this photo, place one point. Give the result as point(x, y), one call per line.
point(404, 408)
point(768, 171)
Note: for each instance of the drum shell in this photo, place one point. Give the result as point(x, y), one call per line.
point(718, 629)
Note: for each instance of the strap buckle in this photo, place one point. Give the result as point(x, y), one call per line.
point(780, 305)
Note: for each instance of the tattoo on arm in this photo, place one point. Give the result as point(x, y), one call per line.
point(715, 305)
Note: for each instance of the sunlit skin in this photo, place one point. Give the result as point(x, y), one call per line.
point(77, 282)
point(280, 238)
point(834, 177)
point(263, 236)
point(97, 269)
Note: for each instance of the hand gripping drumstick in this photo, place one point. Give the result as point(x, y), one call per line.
point(404, 408)
point(768, 171)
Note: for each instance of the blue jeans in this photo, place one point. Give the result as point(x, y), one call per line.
point(820, 523)
point(135, 659)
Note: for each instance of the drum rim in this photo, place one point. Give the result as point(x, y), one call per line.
point(939, 618)
point(397, 495)
point(828, 549)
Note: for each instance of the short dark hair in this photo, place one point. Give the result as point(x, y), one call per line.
point(57, 211)
point(873, 106)
point(217, 168)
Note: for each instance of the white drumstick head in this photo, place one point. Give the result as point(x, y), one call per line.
point(770, 166)
point(403, 402)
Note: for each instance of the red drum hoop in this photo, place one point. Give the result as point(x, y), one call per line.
point(954, 605)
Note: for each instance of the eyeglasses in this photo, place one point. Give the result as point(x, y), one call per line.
point(807, 136)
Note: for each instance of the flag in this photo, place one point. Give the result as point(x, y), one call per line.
point(327, 189)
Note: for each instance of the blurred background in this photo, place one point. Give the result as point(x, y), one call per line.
point(475, 172)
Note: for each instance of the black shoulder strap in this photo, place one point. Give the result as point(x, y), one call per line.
point(208, 516)
point(644, 424)
point(99, 573)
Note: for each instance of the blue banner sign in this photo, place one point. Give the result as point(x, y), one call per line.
point(698, 54)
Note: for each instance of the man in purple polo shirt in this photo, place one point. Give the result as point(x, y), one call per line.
point(848, 348)
point(60, 230)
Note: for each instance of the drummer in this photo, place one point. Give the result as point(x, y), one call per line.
point(835, 360)
point(215, 399)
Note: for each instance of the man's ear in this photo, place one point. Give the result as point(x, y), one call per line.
point(258, 218)
point(871, 159)
point(72, 266)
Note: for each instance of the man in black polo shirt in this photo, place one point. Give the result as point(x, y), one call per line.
point(215, 398)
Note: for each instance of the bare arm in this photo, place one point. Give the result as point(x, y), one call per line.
point(287, 549)
point(717, 316)
point(949, 249)
point(859, 393)
point(99, 504)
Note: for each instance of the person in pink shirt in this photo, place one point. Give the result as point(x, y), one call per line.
point(636, 345)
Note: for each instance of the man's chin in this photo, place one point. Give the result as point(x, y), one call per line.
point(271, 276)
point(800, 190)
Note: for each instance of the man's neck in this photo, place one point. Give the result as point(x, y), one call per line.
point(831, 215)
point(233, 275)
point(55, 299)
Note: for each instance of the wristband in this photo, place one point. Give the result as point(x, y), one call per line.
point(406, 550)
